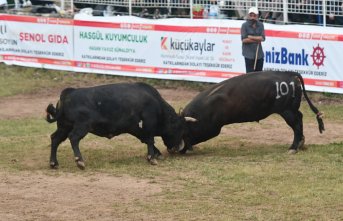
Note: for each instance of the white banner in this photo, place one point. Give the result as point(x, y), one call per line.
point(162, 48)
point(199, 50)
point(314, 52)
point(36, 41)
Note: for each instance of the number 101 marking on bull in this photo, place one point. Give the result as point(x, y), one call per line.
point(282, 89)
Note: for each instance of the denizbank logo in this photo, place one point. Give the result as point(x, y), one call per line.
point(284, 56)
point(298, 58)
point(172, 44)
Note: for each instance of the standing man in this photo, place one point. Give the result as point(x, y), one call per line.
point(252, 34)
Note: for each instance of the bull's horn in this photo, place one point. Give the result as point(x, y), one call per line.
point(190, 119)
point(181, 145)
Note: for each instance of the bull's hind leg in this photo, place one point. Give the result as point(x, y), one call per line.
point(57, 138)
point(78, 132)
point(294, 120)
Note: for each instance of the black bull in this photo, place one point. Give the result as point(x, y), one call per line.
point(110, 110)
point(247, 98)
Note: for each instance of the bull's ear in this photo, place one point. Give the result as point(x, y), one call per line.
point(190, 119)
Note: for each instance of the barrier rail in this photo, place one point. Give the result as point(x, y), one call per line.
point(328, 12)
point(182, 49)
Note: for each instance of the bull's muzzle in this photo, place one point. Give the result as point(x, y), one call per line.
point(177, 148)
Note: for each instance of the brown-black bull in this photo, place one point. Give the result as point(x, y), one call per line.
point(247, 98)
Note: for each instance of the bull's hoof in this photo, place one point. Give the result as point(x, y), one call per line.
point(53, 165)
point(301, 145)
point(292, 151)
point(171, 150)
point(183, 151)
point(81, 165)
point(190, 148)
point(152, 160)
point(160, 157)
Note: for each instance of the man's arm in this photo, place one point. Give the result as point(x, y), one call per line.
point(253, 39)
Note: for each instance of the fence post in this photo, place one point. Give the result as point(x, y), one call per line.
point(130, 7)
point(285, 11)
point(169, 8)
point(324, 12)
point(72, 6)
point(16, 4)
point(191, 8)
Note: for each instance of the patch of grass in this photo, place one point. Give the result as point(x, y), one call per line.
point(331, 112)
point(253, 186)
point(22, 143)
point(20, 80)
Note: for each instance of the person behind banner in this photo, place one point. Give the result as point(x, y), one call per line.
point(252, 34)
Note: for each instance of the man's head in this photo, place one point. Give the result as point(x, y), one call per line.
point(253, 13)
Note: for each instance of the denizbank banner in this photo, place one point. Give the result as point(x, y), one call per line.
point(315, 55)
point(184, 49)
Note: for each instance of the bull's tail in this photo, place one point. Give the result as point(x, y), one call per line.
point(319, 114)
point(51, 113)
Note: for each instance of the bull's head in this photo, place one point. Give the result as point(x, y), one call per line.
point(183, 145)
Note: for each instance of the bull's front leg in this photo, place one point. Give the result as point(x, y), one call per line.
point(144, 134)
point(151, 153)
point(157, 154)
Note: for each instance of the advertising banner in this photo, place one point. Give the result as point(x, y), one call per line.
point(36, 41)
point(311, 51)
point(160, 48)
point(207, 50)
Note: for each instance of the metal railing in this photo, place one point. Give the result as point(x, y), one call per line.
point(326, 12)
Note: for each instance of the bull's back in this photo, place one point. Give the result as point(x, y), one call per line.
point(115, 102)
point(249, 97)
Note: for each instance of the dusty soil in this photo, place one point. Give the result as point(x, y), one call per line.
point(38, 196)
point(28, 196)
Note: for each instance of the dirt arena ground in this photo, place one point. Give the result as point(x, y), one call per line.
point(37, 196)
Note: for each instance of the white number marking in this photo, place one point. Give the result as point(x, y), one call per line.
point(282, 89)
